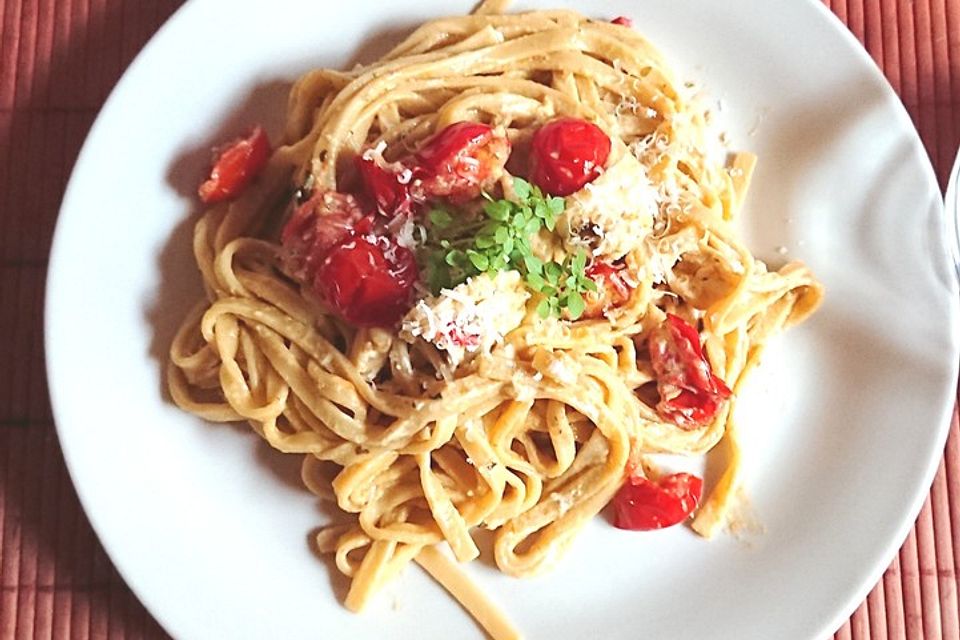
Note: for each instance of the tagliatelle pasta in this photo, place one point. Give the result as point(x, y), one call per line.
point(529, 417)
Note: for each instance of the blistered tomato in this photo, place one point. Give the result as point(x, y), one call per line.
point(460, 161)
point(690, 394)
point(235, 166)
point(368, 281)
point(612, 291)
point(566, 154)
point(315, 227)
point(386, 184)
point(644, 505)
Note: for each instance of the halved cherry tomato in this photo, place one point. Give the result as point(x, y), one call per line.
point(330, 246)
point(460, 161)
point(690, 394)
point(387, 185)
point(612, 289)
point(623, 21)
point(316, 226)
point(566, 154)
point(234, 166)
point(644, 505)
point(367, 280)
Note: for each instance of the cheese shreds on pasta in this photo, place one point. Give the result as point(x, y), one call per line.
point(531, 428)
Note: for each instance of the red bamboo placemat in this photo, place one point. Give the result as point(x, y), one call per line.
point(58, 61)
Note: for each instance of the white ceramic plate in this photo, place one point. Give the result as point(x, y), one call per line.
point(847, 416)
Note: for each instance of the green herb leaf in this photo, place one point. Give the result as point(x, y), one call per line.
point(485, 242)
point(575, 305)
point(540, 210)
point(499, 263)
point(553, 272)
point(522, 188)
point(523, 245)
point(498, 210)
point(535, 281)
point(543, 308)
point(479, 261)
point(579, 262)
point(533, 264)
point(455, 248)
point(440, 218)
point(489, 228)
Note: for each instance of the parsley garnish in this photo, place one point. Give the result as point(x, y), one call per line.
point(500, 240)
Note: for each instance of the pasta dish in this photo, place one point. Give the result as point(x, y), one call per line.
point(479, 284)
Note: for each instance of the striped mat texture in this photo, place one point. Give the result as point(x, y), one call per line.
point(58, 61)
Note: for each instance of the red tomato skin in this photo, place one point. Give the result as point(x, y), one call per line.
point(235, 166)
point(612, 289)
point(566, 154)
point(691, 395)
point(316, 226)
point(459, 162)
point(387, 185)
point(330, 246)
point(623, 21)
point(645, 505)
point(367, 280)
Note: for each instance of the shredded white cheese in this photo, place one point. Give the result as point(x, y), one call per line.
point(564, 502)
point(608, 215)
point(556, 366)
point(470, 318)
point(375, 153)
point(409, 234)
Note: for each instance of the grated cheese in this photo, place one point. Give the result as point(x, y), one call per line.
point(556, 366)
point(471, 318)
point(375, 153)
point(564, 502)
point(409, 234)
point(607, 215)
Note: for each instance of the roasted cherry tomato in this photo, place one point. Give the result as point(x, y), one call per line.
point(566, 154)
point(643, 505)
point(460, 161)
point(234, 166)
point(612, 289)
point(367, 280)
point(623, 21)
point(387, 185)
point(316, 226)
point(690, 394)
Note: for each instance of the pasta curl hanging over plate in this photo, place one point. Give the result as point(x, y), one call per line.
point(478, 283)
